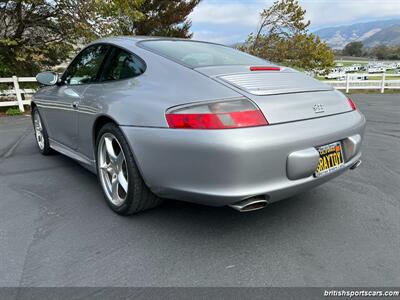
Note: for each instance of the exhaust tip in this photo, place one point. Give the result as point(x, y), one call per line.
point(251, 204)
point(356, 164)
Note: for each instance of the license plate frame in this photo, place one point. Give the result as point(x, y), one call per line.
point(331, 159)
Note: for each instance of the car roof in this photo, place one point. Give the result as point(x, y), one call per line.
point(120, 40)
point(138, 38)
point(131, 42)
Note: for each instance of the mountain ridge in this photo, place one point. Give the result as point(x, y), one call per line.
point(372, 33)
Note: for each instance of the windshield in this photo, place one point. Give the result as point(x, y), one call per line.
point(198, 54)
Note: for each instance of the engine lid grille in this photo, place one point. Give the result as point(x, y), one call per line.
point(269, 83)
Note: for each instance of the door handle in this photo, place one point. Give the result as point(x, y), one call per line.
point(75, 104)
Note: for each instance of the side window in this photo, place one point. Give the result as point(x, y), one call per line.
point(123, 65)
point(85, 67)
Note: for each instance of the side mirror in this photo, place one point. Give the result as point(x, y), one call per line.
point(47, 78)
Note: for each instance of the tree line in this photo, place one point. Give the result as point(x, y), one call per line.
point(381, 52)
point(39, 34)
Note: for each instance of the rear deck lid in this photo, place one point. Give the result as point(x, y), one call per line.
point(280, 81)
point(283, 96)
point(274, 82)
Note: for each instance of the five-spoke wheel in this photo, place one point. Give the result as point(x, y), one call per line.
point(38, 129)
point(41, 136)
point(124, 189)
point(113, 169)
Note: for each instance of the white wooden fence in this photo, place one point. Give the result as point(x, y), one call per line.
point(356, 84)
point(347, 85)
point(17, 92)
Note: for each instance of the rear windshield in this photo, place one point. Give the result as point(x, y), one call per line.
point(198, 54)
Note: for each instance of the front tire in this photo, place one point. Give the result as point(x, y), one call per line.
point(41, 136)
point(123, 187)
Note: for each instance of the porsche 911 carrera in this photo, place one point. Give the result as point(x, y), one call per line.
point(164, 118)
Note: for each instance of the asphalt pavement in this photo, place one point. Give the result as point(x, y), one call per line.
point(56, 230)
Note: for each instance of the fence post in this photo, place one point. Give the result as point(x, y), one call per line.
point(347, 82)
point(383, 82)
point(18, 93)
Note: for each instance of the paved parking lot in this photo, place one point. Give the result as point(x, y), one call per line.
point(56, 230)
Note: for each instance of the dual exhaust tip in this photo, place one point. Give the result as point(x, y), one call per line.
point(250, 204)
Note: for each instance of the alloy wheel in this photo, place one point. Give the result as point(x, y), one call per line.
point(38, 130)
point(113, 169)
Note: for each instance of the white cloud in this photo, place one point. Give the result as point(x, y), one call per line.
point(207, 35)
point(231, 21)
point(331, 13)
point(217, 37)
point(237, 13)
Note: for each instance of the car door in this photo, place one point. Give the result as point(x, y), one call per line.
point(119, 66)
point(62, 114)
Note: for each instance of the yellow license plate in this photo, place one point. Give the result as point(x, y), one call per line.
point(330, 159)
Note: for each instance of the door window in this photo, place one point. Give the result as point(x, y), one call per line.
point(123, 65)
point(85, 67)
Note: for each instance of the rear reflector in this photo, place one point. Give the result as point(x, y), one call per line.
point(265, 68)
point(216, 115)
point(352, 104)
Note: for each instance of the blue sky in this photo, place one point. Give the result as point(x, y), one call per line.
point(230, 21)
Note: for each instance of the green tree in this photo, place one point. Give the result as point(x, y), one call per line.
point(283, 37)
point(116, 17)
point(385, 52)
point(35, 34)
point(166, 18)
point(353, 49)
point(381, 52)
point(38, 34)
point(150, 17)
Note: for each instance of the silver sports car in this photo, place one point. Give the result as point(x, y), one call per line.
point(169, 118)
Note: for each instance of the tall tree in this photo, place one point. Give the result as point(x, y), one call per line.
point(166, 18)
point(35, 34)
point(381, 52)
point(283, 37)
point(148, 17)
point(117, 17)
point(353, 49)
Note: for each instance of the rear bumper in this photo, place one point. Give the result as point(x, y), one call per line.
point(221, 167)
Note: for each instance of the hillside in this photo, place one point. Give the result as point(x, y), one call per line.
point(370, 33)
point(387, 36)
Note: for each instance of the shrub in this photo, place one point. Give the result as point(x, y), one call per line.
point(13, 111)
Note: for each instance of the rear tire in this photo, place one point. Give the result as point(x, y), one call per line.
point(124, 189)
point(41, 136)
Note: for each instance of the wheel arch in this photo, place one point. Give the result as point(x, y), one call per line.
point(33, 105)
point(42, 116)
point(98, 124)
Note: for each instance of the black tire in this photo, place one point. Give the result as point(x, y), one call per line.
point(45, 150)
point(139, 197)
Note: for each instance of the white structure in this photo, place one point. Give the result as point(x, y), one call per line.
point(352, 83)
point(17, 91)
point(376, 69)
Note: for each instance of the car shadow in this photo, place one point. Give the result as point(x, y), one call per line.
point(188, 219)
point(175, 215)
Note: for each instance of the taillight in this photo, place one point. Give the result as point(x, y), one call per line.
point(216, 115)
point(352, 104)
point(267, 68)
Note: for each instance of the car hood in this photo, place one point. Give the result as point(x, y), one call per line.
point(283, 96)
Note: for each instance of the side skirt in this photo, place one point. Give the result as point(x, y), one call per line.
point(83, 160)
